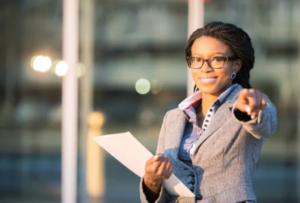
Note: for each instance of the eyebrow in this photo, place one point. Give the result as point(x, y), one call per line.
point(210, 54)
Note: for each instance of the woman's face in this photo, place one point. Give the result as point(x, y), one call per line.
point(208, 80)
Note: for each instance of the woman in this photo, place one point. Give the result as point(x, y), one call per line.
point(213, 140)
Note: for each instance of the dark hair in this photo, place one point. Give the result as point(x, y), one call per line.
point(237, 39)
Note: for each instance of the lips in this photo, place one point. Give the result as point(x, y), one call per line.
point(208, 79)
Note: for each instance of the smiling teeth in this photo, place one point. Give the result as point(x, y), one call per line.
point(208, 80)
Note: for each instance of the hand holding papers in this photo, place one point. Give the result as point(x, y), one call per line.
point(131, 153)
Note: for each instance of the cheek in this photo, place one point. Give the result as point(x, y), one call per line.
point(194, 74)
point(226, 74)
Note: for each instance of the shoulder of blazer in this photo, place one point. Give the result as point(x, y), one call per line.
point(176, 113)
point(233, 96)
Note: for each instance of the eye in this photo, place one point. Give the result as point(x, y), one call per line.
point(196, 59)
point(219, 59)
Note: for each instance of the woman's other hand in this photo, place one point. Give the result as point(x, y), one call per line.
point(158, 168)
point(250, 101)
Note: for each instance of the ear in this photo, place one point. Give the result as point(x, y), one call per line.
point(237, 65)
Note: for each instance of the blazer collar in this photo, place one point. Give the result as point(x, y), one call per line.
point(223, 114)
point(232, 97)
point(178, 121)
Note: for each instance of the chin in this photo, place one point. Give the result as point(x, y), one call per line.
point(213, 89)
point(210, 90)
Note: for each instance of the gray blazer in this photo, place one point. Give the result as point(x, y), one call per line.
point(225, 158)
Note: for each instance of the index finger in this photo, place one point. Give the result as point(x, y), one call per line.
point(243, 96)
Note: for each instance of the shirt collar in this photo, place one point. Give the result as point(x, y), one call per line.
point(227, 92)
point(197, 96)
point(191, 100)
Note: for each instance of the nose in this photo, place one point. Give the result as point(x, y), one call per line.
point(206, 67)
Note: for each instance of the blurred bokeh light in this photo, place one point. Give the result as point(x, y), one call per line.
point(142, 86)
point(61, 68)
point(41, 63)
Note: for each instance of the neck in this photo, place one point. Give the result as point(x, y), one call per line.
point(209, 99)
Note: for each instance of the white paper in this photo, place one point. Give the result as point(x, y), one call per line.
point(131, 153)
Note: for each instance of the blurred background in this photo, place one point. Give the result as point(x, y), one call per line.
point(133, 51)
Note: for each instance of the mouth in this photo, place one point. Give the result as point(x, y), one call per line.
point(208, 79)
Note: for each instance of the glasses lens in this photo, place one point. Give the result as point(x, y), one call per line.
point(217, 62)
point(195, 62)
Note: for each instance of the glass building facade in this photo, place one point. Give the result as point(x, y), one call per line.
point(132, 40)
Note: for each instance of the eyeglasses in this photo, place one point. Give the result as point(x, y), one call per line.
point(215, 62)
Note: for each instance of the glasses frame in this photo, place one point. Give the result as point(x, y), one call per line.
point(208, 61)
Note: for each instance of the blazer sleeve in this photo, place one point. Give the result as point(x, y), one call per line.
point(163, 195)
point(264, 125)
point(160, 149)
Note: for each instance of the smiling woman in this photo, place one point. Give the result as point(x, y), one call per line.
point(213, 140)
point(215, 75)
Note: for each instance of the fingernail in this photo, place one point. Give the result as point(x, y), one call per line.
point(252, 117)
point(155, 157)
point(248, 110)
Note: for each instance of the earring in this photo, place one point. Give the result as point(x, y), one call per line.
point(233, 76)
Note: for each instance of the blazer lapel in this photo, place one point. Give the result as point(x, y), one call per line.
point(177, 126)
point(220, 117)
point(223, 114)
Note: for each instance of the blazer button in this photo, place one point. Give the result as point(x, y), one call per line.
point(192, 181)
point(192, 175)
point(199, 197)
